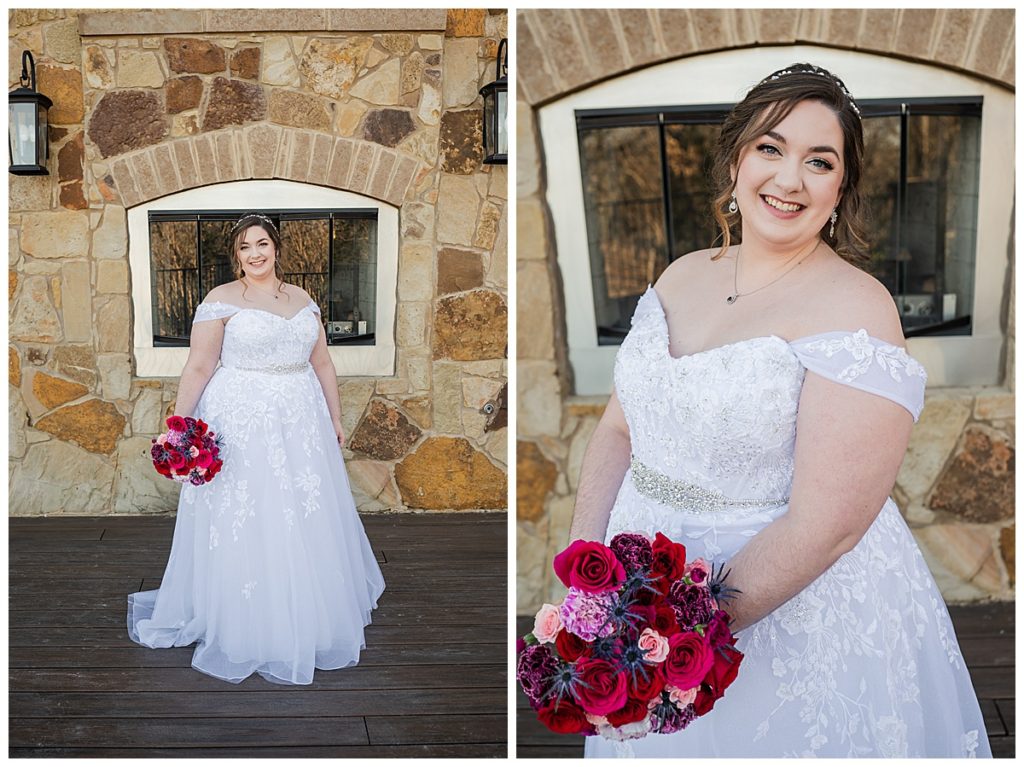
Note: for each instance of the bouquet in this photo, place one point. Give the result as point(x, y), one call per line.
point(640, 644)
point(188, 452)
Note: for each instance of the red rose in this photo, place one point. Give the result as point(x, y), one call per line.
point(200, 428)
point(633, 711)
point(590, 567)
point(176, 423)
point(569, 646)
point(669, 561)
point(718, 632)
point(648, 689)
point(602, 687)
point(722, 674)
point(176, 459)
point(567, 718)
point(689, 659)
point(665, 621)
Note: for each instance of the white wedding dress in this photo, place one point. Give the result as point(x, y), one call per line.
point(270, 569)
point(864, 661)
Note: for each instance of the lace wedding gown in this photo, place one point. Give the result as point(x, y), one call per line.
point(864, 661)
point(270, 570)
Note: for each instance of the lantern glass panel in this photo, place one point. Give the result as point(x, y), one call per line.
point(489, 143)
point(502, 122)
point(21, 133)
point(42, 142)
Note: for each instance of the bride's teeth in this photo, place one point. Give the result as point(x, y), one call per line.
point(787, 207)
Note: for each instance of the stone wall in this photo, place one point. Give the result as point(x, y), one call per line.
point(383, 103)
point(956, 485)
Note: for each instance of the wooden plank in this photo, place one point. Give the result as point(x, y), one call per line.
point(181, 657)
point(549, 752)
point(188, 680)
point(164, 733)
point(385, 614)
point(434, 750)
point(436, 728)
point(287, 702)
point(988, 619)
point(988, 650)
point(48, 587)
point(1007, 708)
point(1003, 747)
point(376, 634)
point(994, 725)
point(993, 682)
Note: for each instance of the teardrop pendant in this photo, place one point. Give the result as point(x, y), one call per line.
point(731, 299)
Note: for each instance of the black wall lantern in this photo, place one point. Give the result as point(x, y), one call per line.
point(496, 111)
point(27, 141)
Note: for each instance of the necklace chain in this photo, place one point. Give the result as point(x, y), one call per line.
point(259, 290)
point(735, 275)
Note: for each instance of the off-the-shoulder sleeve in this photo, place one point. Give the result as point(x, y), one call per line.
point(648, 304)
point(313, 306)
point(865, 363)
point(214, 310)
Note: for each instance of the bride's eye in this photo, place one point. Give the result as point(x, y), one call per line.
point(768, 149)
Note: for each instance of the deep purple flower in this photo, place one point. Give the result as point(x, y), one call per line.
point(633, 551)
point(666, 718)
point(692, 604)
point(718, 632)
point(534, 670)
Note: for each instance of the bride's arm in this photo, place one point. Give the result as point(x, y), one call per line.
point(203, 355)
point(849, 446)
point(604, 465)
point(326, 373)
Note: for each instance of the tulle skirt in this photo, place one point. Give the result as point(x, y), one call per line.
point(270, 569)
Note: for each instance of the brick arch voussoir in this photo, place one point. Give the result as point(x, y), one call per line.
point(566, 43)
point(264, 151)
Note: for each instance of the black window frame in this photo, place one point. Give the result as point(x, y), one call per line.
point(280, 214)
point(704, 114)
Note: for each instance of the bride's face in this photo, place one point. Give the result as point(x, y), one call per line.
point(788, 179)
point(256, 253)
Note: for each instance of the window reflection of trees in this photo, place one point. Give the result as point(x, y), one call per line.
point(190, 257)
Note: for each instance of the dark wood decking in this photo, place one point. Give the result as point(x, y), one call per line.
point(986, 636)
point(432, 680)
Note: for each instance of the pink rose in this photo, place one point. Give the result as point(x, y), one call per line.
point(547, 624)
point(162, 439)
point(590, 567)
point(682, 698)
point(655, 645)
point(698, 570)
point(194, 451)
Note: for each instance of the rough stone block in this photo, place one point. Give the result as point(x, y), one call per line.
point(458, 270)
point(76, 293)
point(341, 159)
point(58, 478)
point(110, 240)
point(639, 35)
point(185, 163)
point(55, 234)
point(962, 560)
point(233, 102)
point(322, 148)
point(50, 391)
point(113, 325)
point(995, 37)
point(540, 399)
point(331, 66)
point(399, 186)
point(64, 88)
point(382, 86)
point(245, 63)
point(914, 35)
point(385, 19)
point(115, 375)
point(301, 146)
point(977, 485)
point(387, 126)
point(361, 166)
point(165, 168)
point(145, 175)
point(148, 22)
point(384, 433)
point(138, 69)
point(534, 312)
point(381, 174)
point(600, 35)
point(931, 443)
point(137, 488)
point(194, 55)
point(299, 110)
point(265, 20)
point(471, 326)
point(227, 159)
point(183, 93)
point(112, 277)
point(458, 203)
point(447, 473)
point(94, 425)
point(127, 120)
point(461, 84)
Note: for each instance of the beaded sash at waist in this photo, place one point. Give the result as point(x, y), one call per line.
point(687, 497)
point(279, 369)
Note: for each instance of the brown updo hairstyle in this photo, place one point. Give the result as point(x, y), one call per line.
point(764, 107)
point(238, 232)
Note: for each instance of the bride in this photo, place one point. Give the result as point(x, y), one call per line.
point(270, 569)
point(763, 404)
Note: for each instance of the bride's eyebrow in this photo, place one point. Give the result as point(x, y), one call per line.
point(821, 149)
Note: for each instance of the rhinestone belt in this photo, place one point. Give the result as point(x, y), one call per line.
point(298, 367)
point(684, 496)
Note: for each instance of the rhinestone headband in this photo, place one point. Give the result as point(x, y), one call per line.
point(259, 216)
point(820, 73)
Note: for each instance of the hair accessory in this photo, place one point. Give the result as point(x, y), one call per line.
point(733, 207)
point(813, 70)
point(260, 216)
point(833, 218)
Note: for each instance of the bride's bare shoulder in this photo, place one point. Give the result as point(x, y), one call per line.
point(689, 267)
point(848, 298)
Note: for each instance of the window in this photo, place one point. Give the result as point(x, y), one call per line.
point(647, 195)
point(938, 193)
point(331, 254)
point(341, 247)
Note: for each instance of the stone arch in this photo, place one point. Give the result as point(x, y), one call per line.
point(263, 151)
point(572, 49)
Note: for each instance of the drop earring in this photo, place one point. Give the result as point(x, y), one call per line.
point(733, 207)
point(833, 218)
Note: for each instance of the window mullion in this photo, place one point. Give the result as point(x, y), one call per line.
point(666, 190)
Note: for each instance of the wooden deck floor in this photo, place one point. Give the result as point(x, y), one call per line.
point(432, 680)
point(986, 636)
